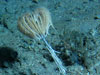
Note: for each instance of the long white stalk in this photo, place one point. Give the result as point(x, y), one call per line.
point(56, 59)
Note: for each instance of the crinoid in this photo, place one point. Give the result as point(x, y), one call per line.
point(36, 25)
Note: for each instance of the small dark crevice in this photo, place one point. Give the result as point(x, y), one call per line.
point(48, 57)
point(95, 18)
point(7, 57)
